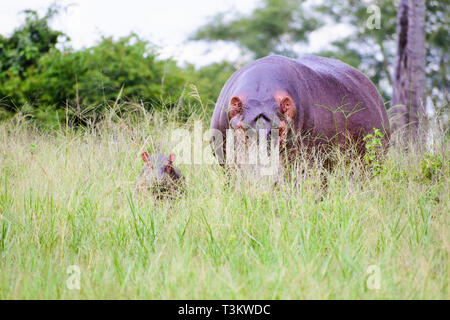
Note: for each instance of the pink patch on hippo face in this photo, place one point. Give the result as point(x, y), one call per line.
point(235, 108)
point(146, 158)
point(286, 104)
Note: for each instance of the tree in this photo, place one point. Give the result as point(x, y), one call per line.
point(86, 81)
point(274, 27)
point(371, 49)
point(409, 81)
point(21, 52)
point(47, 82)
point(28, 42)
point(95, 75)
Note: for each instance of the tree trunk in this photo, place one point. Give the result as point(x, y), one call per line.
point(408, 103)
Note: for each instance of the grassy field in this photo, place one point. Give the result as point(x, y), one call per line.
point(66, 198)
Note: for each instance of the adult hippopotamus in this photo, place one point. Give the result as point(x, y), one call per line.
point(315, 100)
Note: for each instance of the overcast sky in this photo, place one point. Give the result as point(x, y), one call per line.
point(167, 23)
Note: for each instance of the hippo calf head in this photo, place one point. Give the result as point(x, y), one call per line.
point(159, 175)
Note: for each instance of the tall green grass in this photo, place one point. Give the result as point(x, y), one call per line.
point(66, 198)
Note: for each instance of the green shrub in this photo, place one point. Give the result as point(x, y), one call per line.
point(430, 165)
point(373, 146)
point(95, 75)
point(20, 52)
point(48, 83)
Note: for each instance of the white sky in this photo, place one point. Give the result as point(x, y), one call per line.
point(167, 23)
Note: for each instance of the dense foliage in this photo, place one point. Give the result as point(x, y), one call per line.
point(274, 27)
point(41, 75)
point(27, 44)
point(47, 82)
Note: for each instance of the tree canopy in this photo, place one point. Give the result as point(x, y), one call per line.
point(38, 75)
point(274, 27)
point(279, 26)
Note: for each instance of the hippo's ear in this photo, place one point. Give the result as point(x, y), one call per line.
point(172, 158)
point(287, 107)
point(235, 107)
point(146, 158)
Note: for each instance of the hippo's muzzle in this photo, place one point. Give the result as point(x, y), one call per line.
point(268, 118)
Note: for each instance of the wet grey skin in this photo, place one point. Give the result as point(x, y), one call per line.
point(159, 176)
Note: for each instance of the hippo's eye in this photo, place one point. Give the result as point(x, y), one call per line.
point(235, 107)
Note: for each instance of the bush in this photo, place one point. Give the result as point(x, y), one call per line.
point(48, 83)
point(21, 52)
point(430, 165)
point(90, 79)
point(95, 75)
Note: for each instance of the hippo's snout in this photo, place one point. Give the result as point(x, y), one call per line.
point(266, 127)
point(261, 129)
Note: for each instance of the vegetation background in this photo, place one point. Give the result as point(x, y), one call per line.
point(42, 76)
point(72, 123)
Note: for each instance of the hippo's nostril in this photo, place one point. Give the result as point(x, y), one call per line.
point(261, 117)
point(262, 122)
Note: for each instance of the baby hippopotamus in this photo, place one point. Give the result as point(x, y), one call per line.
point(159, 175)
